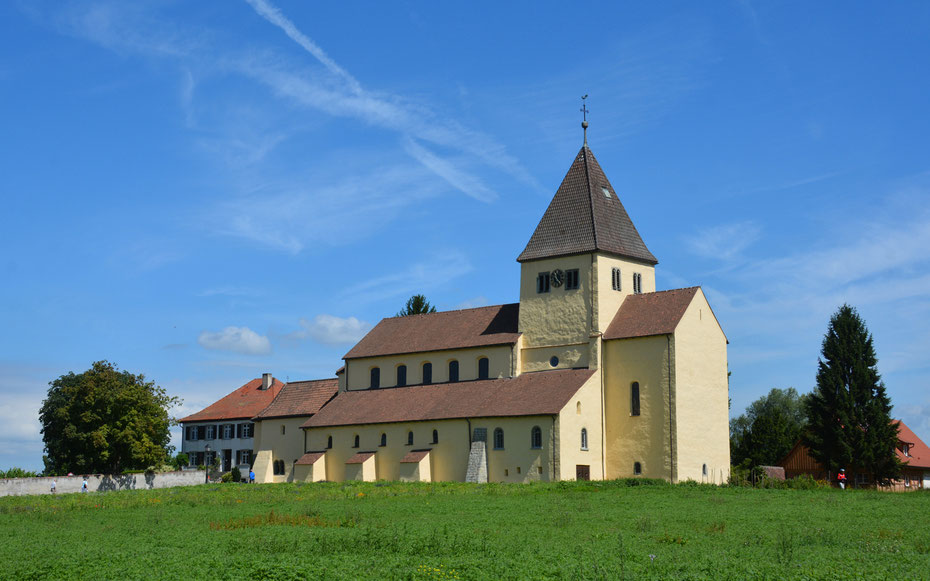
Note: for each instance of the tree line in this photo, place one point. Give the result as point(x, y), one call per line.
point(844, 422)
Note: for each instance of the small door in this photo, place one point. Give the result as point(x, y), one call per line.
point(582, 472)
point(227, 460)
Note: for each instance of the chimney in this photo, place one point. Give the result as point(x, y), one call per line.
point(266, 380)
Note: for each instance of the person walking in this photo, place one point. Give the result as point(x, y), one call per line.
point(841, 479)
point(54, 486)
point(251, 476)
point(84, 485)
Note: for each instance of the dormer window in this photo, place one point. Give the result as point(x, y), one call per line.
point(606, 192)
point(542, 282)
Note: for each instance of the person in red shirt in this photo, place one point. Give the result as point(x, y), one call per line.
point(841, 478)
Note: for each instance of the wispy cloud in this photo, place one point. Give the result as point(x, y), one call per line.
point(332, 330)
point(724, 242)
point(235, 339)
point(434, 272)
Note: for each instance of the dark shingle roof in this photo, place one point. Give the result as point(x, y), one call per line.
point(581, 218)
point(243, 403)
point(530, 394)
point(300, 398)
point(479, 327)
point(650, 313)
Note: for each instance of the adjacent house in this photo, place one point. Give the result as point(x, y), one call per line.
point(225, 428)
point(910, 450)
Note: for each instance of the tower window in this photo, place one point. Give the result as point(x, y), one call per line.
point(427, 373)
point(637, 468)
point(498, 439)
point(584, 438)
point(615, 278)
point(542, 282)
point(401, 375)
point(375, 377)
point(634, 398)
point(453, 370)
point(483, 368)
point(637, 283)
point(571, 279)
point(536, 438)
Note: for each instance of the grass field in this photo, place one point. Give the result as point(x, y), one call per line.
point(598, 530)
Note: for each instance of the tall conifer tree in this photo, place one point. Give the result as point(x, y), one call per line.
point(849, 413)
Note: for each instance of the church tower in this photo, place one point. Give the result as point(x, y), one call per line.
point(583, 259)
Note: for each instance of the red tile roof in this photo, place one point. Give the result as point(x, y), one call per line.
point(414, 456)
point(300, 398)
point(479, 327)
point(919, 453)
point(585, 216)
point(360, 457)
point(530, 394)
point(310, 458)
point(649, 314)
point(243, 403)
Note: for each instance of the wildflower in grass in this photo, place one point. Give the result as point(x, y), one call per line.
point(652, 558)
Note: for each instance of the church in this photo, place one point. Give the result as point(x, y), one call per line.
point(592, 375)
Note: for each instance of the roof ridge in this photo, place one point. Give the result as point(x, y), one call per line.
point(587, 179)
point(450, 311)
point(668, 290)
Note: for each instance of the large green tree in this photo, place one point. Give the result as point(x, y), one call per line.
point(768, 430)
point(416, 305)
point(105, 421)
point(849, 413)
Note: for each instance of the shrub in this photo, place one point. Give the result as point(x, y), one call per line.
point(236, 474)
point(226, 477)
point(180, 461)
point(18, 473)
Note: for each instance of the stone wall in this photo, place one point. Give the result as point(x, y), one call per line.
point(100, 482)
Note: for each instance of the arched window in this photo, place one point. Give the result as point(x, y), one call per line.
point(410, 438)
point(278, 467)
point(329, 442)
point(356, 443)
point(578, 408)
point(383, 439)
point(435, 436)
point(637, 468)
point(427, 373)
point(536, 437)
point(375, 377)
point(401, 375)
point(453, 370)
point(483, 368)
point(584, 438)
point(634, 399)
point(498, 439)
point(704, 470)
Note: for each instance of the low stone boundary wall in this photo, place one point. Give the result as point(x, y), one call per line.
point(100, 482)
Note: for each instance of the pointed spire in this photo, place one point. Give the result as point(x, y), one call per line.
point(586, 215)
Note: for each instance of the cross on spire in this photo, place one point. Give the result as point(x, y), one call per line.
point(584, 119)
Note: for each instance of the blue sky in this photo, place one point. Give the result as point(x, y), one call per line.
point(206, 191)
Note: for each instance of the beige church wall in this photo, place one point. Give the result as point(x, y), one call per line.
point(448, 459)
point(609, 300)
point(582, 411)
point(416, 471)
point(643, 438)
point(559, 317)
point(364, 471)
point(500, 364)
point(271, 445)
point(702, 393)
point(517, 461)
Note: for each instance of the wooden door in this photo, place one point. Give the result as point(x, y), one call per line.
point(582, 472)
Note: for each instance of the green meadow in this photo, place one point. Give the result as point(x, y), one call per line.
point(597, 530)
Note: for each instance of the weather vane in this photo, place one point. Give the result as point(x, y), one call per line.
point(584, 118)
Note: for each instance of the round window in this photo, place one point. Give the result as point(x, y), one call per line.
point(554, 361)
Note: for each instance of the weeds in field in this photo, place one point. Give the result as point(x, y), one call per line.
point(276, 519)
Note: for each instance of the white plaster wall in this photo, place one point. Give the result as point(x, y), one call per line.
point(100, 482)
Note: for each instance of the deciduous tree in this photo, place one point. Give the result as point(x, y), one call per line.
point(849, 412)
point(768, 430)
point(105, 421)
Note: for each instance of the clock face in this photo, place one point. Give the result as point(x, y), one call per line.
point(556, 277)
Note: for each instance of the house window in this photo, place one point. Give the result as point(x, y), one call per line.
point(615, 278)
point(637, 283)
point(356, 442)
point(245, 456)
point(584, 438)
point(383, 439)
point(571, 279)
point(410, 438)
point(435, 436)
point(329, 443)
point(483, 368)
point(248, 430)
point(637, 468)
point(542, 282)
point(375, 378)
point(191, 433)
point(427, 373)
point(227, 431)
point(498, 439)
point(401, 375)
point(906, 449)
point(211, 433)
point(634, 398)
point(453, 370)
point(536, 438)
